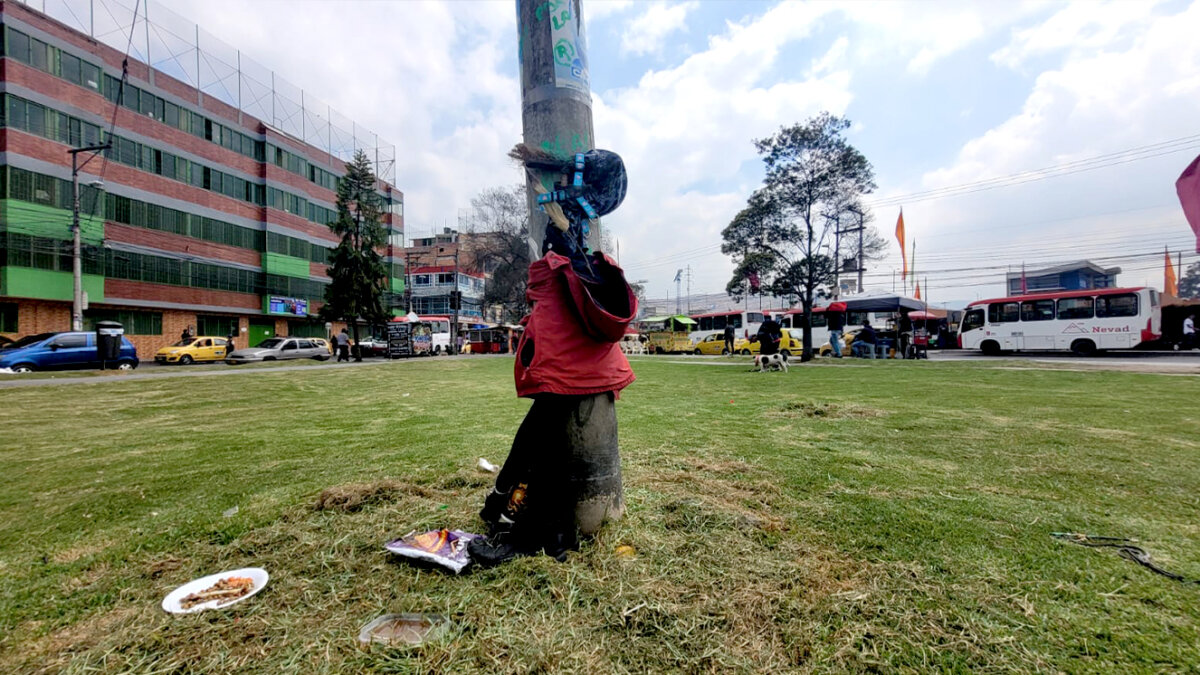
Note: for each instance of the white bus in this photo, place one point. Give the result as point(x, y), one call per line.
point(794, 319)
point(1083, 321)
point(744, 323)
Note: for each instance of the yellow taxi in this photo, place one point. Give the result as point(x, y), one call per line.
point(193, 350)
point(847, 339)
point(322, 342)
point(712, 345)
point(792, 343)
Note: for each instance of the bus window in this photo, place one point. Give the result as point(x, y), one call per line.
point(753, 317)
point(1075, 308)
point(1153, 298)
point(1037, 310)
point(856, 318)
point(718, 323)
point(819, 321)
point(736, 320)
point(706, 323)
point(1108, 306)
point(1003, 312)
point(972, 319)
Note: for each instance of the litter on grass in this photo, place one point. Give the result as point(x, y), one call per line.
point(404, 629)
point(487, 466)
point(447, 548)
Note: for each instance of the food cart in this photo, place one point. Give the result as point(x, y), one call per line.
point(409, 338)
point(668, 334)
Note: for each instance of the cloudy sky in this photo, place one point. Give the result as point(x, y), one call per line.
point(1086, 112)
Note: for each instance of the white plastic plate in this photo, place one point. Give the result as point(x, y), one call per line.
point(171, 603)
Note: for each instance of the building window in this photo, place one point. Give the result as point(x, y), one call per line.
point(134, 322)
point(445, 280)
point(216, 326)
point(8, 317)
point(421, 280)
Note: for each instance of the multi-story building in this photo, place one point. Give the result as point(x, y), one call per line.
point(199, 216)
point(1074, 276)
point(430, 288)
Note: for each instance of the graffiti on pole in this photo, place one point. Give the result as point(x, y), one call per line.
point(569, 43)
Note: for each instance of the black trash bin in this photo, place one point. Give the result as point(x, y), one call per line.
point(108, 342)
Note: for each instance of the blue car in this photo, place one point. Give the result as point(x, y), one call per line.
point(61, 351)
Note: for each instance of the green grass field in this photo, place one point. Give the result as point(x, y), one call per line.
point(853, 516)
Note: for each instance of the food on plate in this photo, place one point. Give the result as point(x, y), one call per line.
point(225, 590)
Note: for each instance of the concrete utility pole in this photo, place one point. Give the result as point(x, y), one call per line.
point(556, 98)
point(556, 118)
point(76, 235)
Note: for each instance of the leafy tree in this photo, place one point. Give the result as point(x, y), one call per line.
point(499, 246)
point(781, 241)
point(357, 270)
point(1189, 284)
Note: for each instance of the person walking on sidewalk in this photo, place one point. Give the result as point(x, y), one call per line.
point(729, 335)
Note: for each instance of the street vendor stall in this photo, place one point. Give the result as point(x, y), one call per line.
point(668, 334)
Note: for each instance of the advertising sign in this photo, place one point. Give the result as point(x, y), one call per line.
point(289, 306)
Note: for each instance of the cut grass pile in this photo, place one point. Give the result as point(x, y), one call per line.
point(890, 517)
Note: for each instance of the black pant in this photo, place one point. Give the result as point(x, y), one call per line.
point(343, 352)
point(533, 490)
point(729, 344)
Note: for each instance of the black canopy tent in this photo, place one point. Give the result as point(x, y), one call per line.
point(888, 302)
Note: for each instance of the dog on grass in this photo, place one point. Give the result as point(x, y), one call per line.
point(770, 362)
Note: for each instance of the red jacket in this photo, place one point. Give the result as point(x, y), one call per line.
point(570, 342)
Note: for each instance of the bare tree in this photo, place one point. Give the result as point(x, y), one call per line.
point(497, 242)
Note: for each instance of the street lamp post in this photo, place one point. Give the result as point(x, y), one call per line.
point(76, 243)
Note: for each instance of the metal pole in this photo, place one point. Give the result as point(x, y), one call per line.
point(556, 99)
point(149, 62)
point(860, 255)
point(837, 260)
point(77, 260)
point(457, 305)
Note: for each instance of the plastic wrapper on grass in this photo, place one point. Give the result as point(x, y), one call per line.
point(447, 548)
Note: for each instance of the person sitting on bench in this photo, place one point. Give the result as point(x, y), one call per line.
point(865, 342)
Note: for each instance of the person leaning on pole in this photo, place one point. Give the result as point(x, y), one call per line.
point(568, 356)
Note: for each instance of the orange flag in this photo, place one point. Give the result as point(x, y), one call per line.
point(918, 295)
point(1169, 285)
point(900, 238)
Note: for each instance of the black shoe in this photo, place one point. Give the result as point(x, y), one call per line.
point(491, 551)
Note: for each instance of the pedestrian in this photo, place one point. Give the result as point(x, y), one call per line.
point(837, 321)
point(770, 334)
point(730, 333)
point(865, 341)
point(458, 342)
point(229, 347)
point(187, 333)
point(343, 346)
point(1189, 332)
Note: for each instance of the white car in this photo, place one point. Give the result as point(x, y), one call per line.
point(280, 349)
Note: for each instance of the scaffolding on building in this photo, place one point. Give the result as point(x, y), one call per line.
point(172, 45)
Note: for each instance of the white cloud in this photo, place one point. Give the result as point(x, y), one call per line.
point(1115, 90)
point(596, 10)
point(646, 33)
point(1076, 27)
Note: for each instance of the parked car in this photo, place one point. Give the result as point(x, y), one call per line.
point(323, 343)
point(792, 343)
point(61, 351)
point(847, 340)
point(280, 349)
point(193, 350)
point(373, 347)
point(715, 344)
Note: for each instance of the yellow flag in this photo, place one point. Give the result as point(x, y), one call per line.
point(900, 238)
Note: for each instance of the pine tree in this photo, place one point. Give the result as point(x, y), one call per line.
point(1189, 284)
point(357, 270)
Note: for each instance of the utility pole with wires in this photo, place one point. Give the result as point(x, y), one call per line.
point(76, 235)
point(678, 280)
point(689, 289)
point(858, 212)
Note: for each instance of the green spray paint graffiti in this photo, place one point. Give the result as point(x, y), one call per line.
point(579, 142)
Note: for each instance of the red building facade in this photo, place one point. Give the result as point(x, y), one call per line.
point(199, 216)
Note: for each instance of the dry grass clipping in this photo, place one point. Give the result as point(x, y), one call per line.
point(356, 496)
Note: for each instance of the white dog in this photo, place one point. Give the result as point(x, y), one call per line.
point(770, 362)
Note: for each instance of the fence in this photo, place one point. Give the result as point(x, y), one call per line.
point(171, 45)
